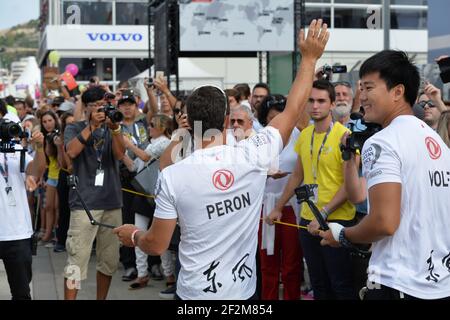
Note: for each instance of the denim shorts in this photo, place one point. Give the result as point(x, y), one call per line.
point(52, 182)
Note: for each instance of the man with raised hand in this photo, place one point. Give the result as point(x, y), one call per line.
point(216, 192)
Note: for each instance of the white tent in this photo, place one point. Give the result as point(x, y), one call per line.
point(29, 79)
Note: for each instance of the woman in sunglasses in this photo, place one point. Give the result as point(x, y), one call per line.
point(431, 114)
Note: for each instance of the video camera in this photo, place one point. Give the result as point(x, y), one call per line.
point(10, 130)
point(356, 139)
point(10, 135)
point(110, 111)
point(328, 70)
point(306, 193)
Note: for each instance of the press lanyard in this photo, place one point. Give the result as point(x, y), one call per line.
point(99, 150)
point(314, 170)
point(4, 172)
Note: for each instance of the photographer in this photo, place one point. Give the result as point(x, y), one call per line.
point(95, 147)
point(16, 227)
point(406, 166)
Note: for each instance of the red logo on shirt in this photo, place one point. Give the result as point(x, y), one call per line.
point(223, 179)
point(434, 149)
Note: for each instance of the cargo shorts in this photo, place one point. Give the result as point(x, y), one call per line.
point(80, 238)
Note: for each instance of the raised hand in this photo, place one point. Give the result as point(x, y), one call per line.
point(432, 92)
point(316, 39)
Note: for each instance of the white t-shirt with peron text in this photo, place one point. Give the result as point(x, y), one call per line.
point(216, 194)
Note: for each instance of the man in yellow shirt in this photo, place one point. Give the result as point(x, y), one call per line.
point(320, 162)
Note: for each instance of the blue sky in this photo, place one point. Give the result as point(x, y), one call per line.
point(13, 12)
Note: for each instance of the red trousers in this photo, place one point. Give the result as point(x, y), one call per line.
point(287, 259)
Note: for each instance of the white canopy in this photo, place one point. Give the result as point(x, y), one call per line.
point(29, 79)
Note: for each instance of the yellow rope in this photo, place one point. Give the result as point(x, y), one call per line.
point(138, 193)
point(276, 222)
point(288, 224)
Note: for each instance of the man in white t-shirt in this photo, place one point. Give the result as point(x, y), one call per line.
point(216, 193)
point(15, 218)
point(407, 168)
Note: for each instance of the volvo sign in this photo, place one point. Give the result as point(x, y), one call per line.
point(124, 37)
point(93, 37)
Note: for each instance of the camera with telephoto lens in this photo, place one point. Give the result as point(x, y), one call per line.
point(356, 139)
point(150, 82)
point(52, 135)
point(9, 131)
point(328, 70)
point(305, 192)
point(110, 111)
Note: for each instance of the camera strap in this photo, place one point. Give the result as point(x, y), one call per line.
point(314, 170)
point(99, 147)
point(4, 171)
point(8, 188)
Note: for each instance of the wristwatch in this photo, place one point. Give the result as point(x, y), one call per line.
point(343, 241)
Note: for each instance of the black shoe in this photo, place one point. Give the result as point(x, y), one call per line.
point(129, 274)
point(169, 293)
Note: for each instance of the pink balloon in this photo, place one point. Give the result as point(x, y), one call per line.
point(72, 69)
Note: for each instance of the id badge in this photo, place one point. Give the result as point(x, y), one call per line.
point(10, 194)
point(99, 177)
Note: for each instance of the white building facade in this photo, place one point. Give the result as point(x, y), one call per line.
point(109, 38)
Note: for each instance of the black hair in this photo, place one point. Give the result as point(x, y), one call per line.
point(3, 109)
point(29, 102)
point(124, 84)
point(10, 100)
point(63, 119)
point(207, 104)
point(323, 84)
point(93, 94)
point(53, 150)
point(233, 93)
point(243, 89)
point(394, 67)
point(262, 85)
point(272, 101)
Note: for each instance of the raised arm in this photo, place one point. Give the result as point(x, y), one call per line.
point(311, 49)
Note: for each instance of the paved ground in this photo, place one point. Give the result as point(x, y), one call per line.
point(47, 281)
